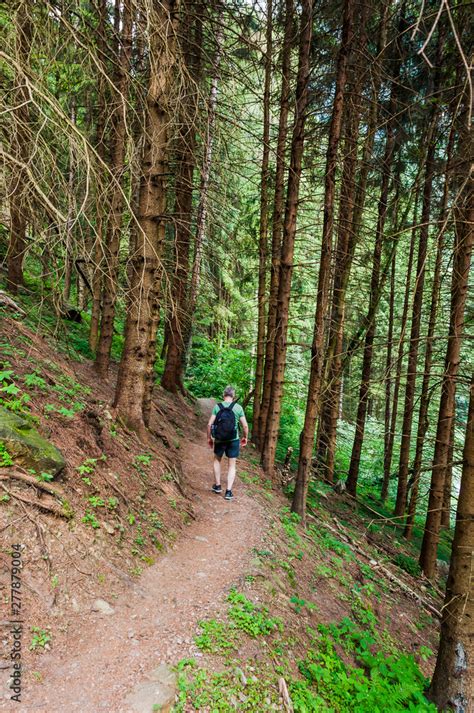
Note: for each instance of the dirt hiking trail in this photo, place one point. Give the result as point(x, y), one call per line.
point(108, 656)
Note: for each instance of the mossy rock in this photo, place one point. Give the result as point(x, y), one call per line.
point(26, 446)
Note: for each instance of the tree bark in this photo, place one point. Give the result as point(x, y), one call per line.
point(18, 192)
point(389, 441)
point(114, 225)
point(435, 292)
point(448, 480)
point(172, 379)
point(346, 241)
point(317, 350)
point(388, 360)
point(370, 334)
point(133, 383)
point(101, 120)
point(263, 229)
point(288, 238)
point(452, 685)
point(375, 276)
point(69, 251)
point(201, 221)
point(402, 490)
point(260, 424)
point(464, 240)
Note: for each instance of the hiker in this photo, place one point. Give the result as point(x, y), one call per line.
point(223, 436)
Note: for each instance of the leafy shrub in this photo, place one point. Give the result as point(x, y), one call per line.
point(45, 477)
point(90, 519)
point(34, 380)
point(11, 396)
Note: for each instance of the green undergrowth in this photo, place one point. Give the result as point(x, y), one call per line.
point(66, 396)
point(243, 616)
point(350, 664)
point(70, 338)
point(374, 682)
point(344, 668)
point(39, 388)
point(377, 518)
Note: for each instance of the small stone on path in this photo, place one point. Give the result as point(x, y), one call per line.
point(156, 693)
point(100, 605)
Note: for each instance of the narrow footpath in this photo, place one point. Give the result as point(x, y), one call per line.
point(113, 660)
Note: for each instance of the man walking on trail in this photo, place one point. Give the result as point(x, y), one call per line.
point(223, 436)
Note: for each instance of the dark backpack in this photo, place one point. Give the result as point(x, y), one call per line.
point(223, 428)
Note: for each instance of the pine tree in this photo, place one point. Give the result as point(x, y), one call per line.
point(18, 192)
point(289, 233)
point(452, 686)
point(317, 349)
point(191, 39)
point(375, 280)
point(260, 423)
point(134, 383)
point(263, 225)
point(464, 242)
point(117, 166)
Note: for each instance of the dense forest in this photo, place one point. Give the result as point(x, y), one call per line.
point(276, 195)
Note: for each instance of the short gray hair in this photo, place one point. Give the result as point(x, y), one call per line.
point(229, 391)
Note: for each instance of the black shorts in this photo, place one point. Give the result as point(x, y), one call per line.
point(230, 448)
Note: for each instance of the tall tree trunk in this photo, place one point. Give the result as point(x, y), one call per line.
point(402, 490)
point(263, 229)
point(101, 122)
point(452, 686)
point(376, 265)
point(388, 360)
point(133, 384)
point(260, 424)
point(18, 192)
point(448, 479)
point(172, 379)
point(370, 334)
point(346, 240)
point(424, 398)
point(317, 349)
point(464, 240)
point(359, 203)
point(114, 225)
point(390, 440)
point(201, 220)
point(69, 249)
point(288, 238)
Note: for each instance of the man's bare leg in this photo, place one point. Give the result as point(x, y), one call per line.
point(231, 473)
point(217, 469)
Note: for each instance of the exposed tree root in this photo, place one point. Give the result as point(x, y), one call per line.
point(30, 480)
point(52, 509)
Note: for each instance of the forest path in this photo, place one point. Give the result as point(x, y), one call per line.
point(106, 656)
